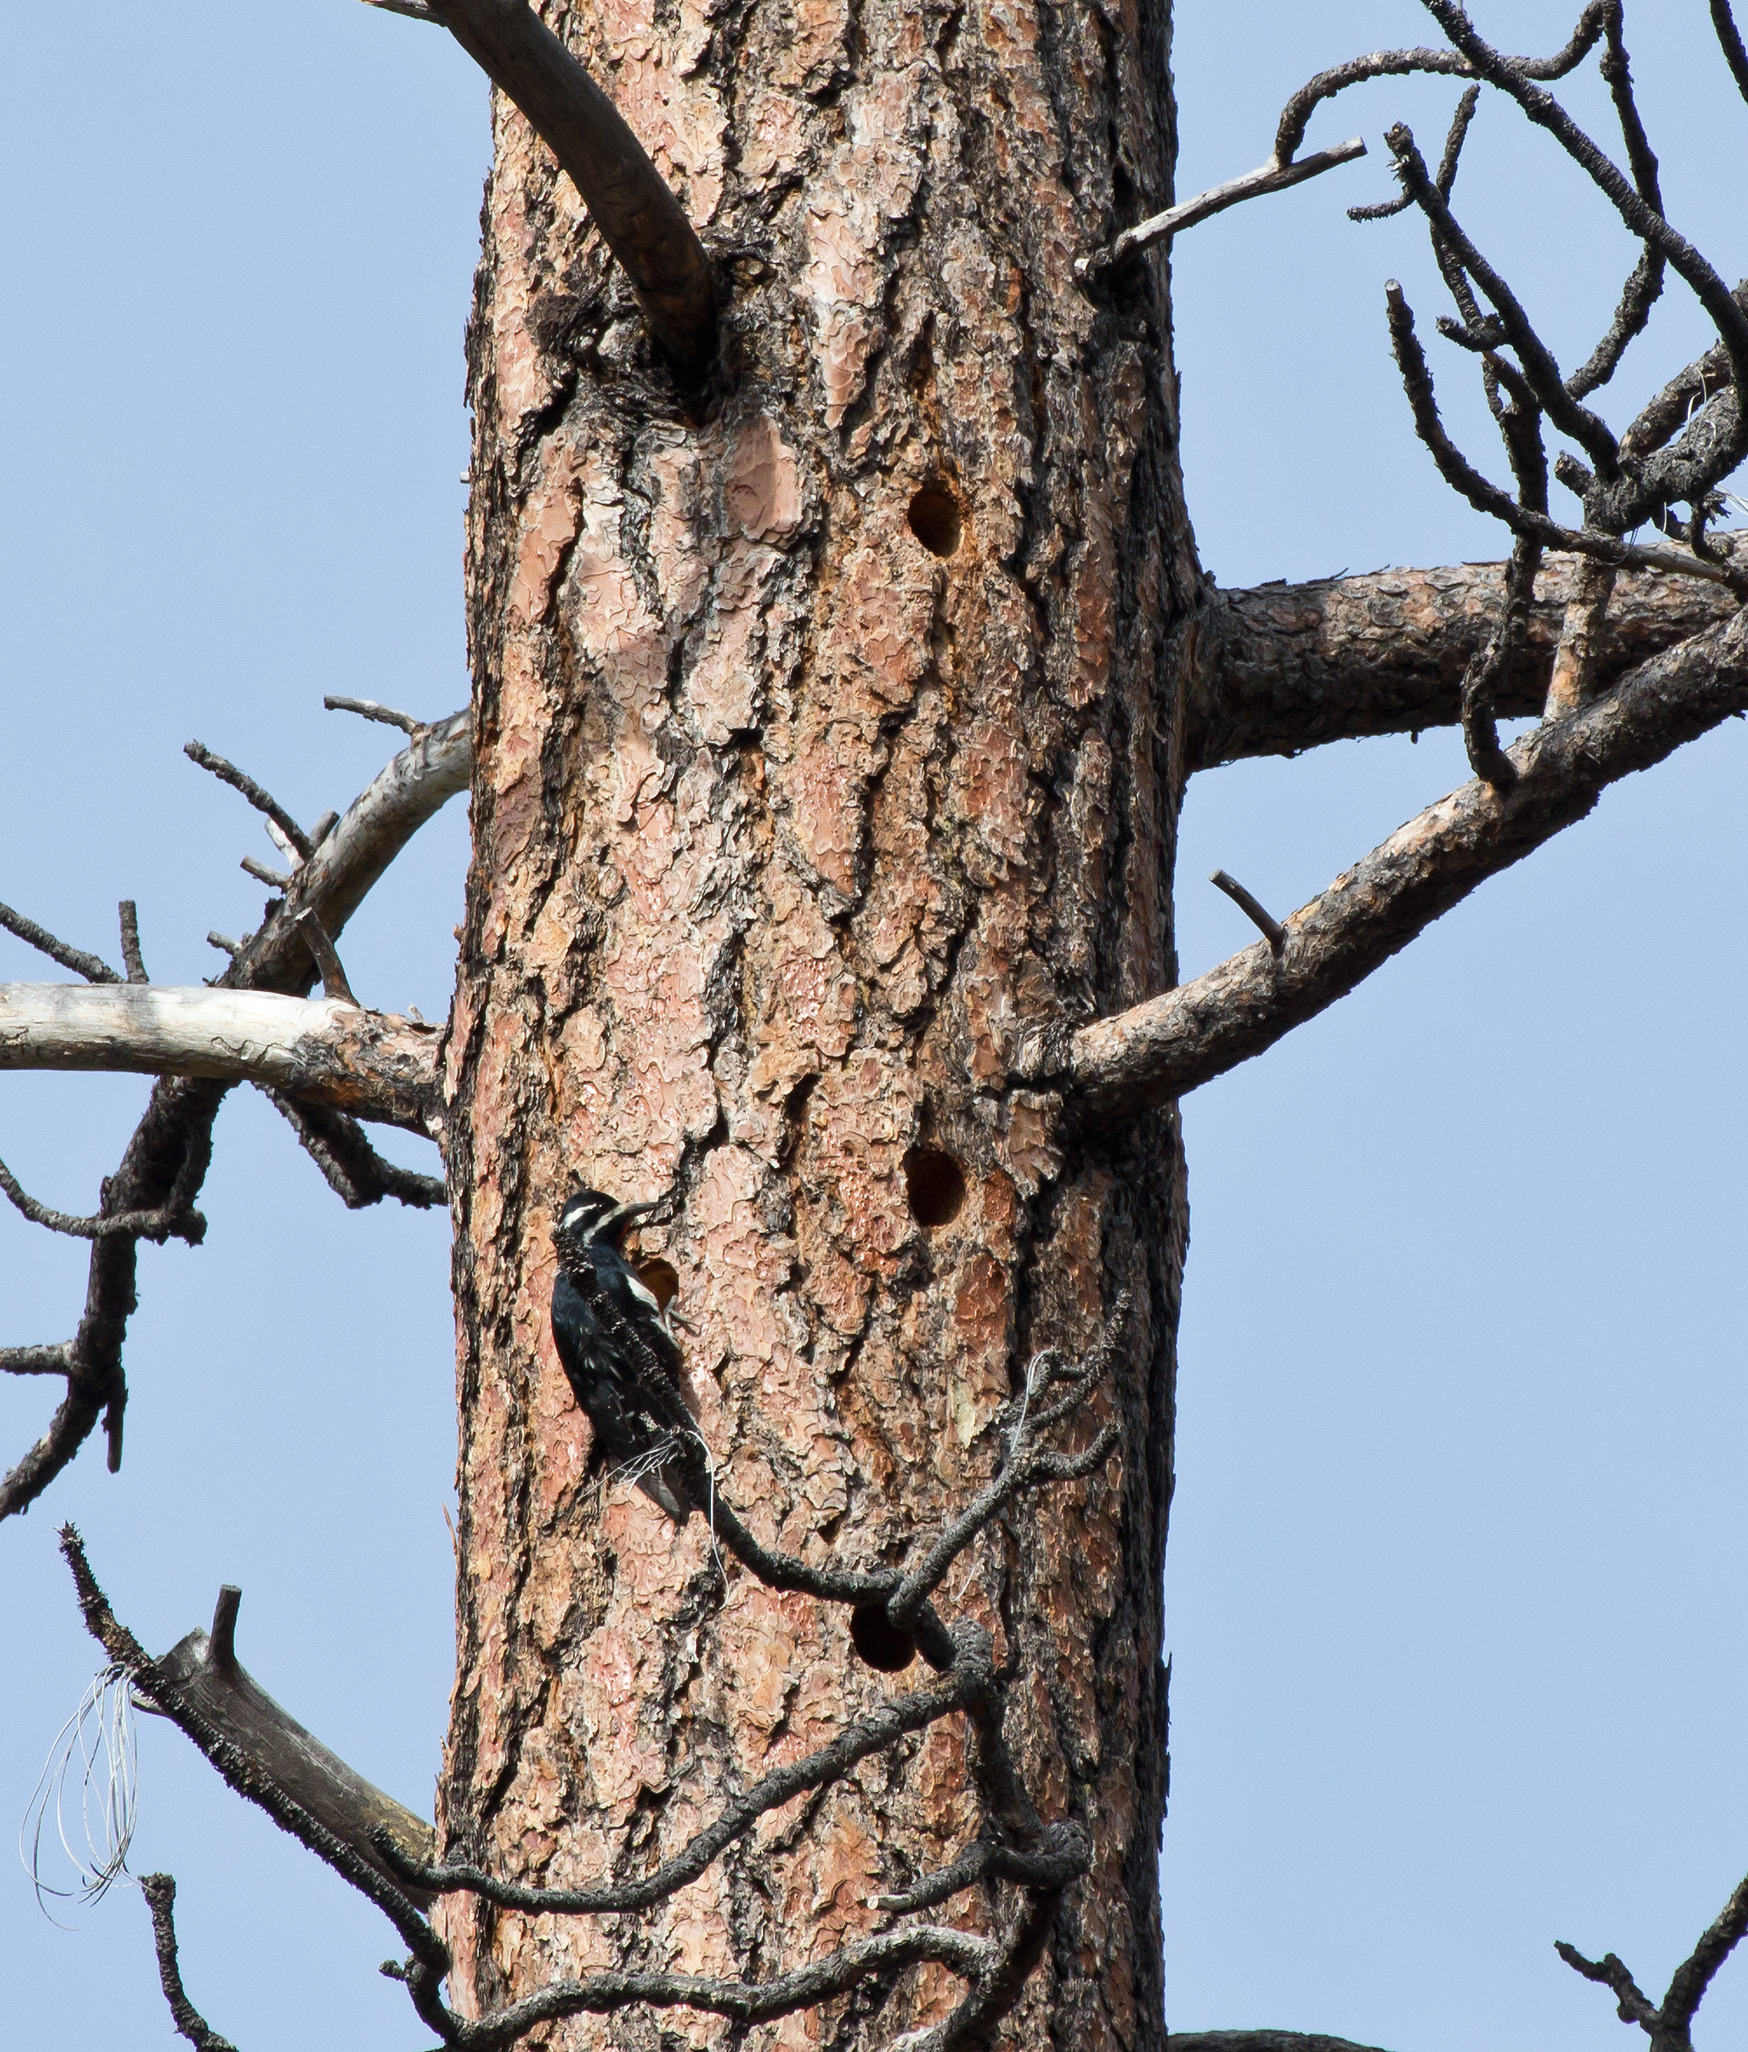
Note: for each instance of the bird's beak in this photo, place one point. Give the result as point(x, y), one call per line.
point(621, 1216)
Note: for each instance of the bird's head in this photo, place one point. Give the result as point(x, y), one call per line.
point(590, 1218)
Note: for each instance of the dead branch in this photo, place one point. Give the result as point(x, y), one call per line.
point(179, 1114)
point(92, 967)
point(160, 1893)
point(1260, 2041)
point(263, 801)
point(1285, 667)
point(1061, 1854)
point(54, 1360)
point(174, 1700)
point(326, 957)
point(1730, 41)
point(376, 1065)
point(640, 220)
point(132, 960)
point(353, 1169)
point(1268, 926)
point(972, 1675)
point(1170, 1044)
point(1274, 176)
point(204, 1670)
point(367, 708)
point(1668, 2024)
point(1486, 497)
point(746, 2002)
point(175, 1218)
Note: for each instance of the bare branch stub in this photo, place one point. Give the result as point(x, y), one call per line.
point(1270, 928)
point(368, 709)
point(326, 957)
point(132, 960)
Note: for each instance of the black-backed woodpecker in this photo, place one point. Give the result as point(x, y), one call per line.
point(634, 1417)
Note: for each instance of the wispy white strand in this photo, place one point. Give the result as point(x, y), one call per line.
point(100, 1737)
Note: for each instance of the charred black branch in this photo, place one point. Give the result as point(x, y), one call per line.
point(639, 218)
point(173, 1219)
point(353, 1169)
point(1668, 2024)
point(92, 967)
point(970, 1677)
point(1487, 497)
point(160, 1893)
point(1730, 41)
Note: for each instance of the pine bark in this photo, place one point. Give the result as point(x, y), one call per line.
point(827, 741)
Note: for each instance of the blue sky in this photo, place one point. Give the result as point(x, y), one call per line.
point(1454, 1596)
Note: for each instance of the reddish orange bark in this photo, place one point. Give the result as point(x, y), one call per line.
point(826, 740)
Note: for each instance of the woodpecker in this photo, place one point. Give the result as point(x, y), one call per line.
point(635, 1417)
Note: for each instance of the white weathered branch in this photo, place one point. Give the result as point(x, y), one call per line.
point(372, 1064)
point(380, 821)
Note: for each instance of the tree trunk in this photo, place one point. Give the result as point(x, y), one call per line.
point(827, 739)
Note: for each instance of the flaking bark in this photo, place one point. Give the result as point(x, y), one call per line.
point(825, 734)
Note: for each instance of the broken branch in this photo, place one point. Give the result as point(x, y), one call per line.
point(375, 1065)
point(1285, 667)
point(1173, 1043)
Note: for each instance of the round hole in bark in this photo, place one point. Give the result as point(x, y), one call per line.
point(661, 1279)
point(935, 519)
point(879, 1640)
point(935, 1184)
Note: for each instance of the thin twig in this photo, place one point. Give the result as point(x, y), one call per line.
point(169, 1220)
point(1486, 497)
point(92, 967)
point(263, 801)
point(274, 879)
point(1274, 176)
